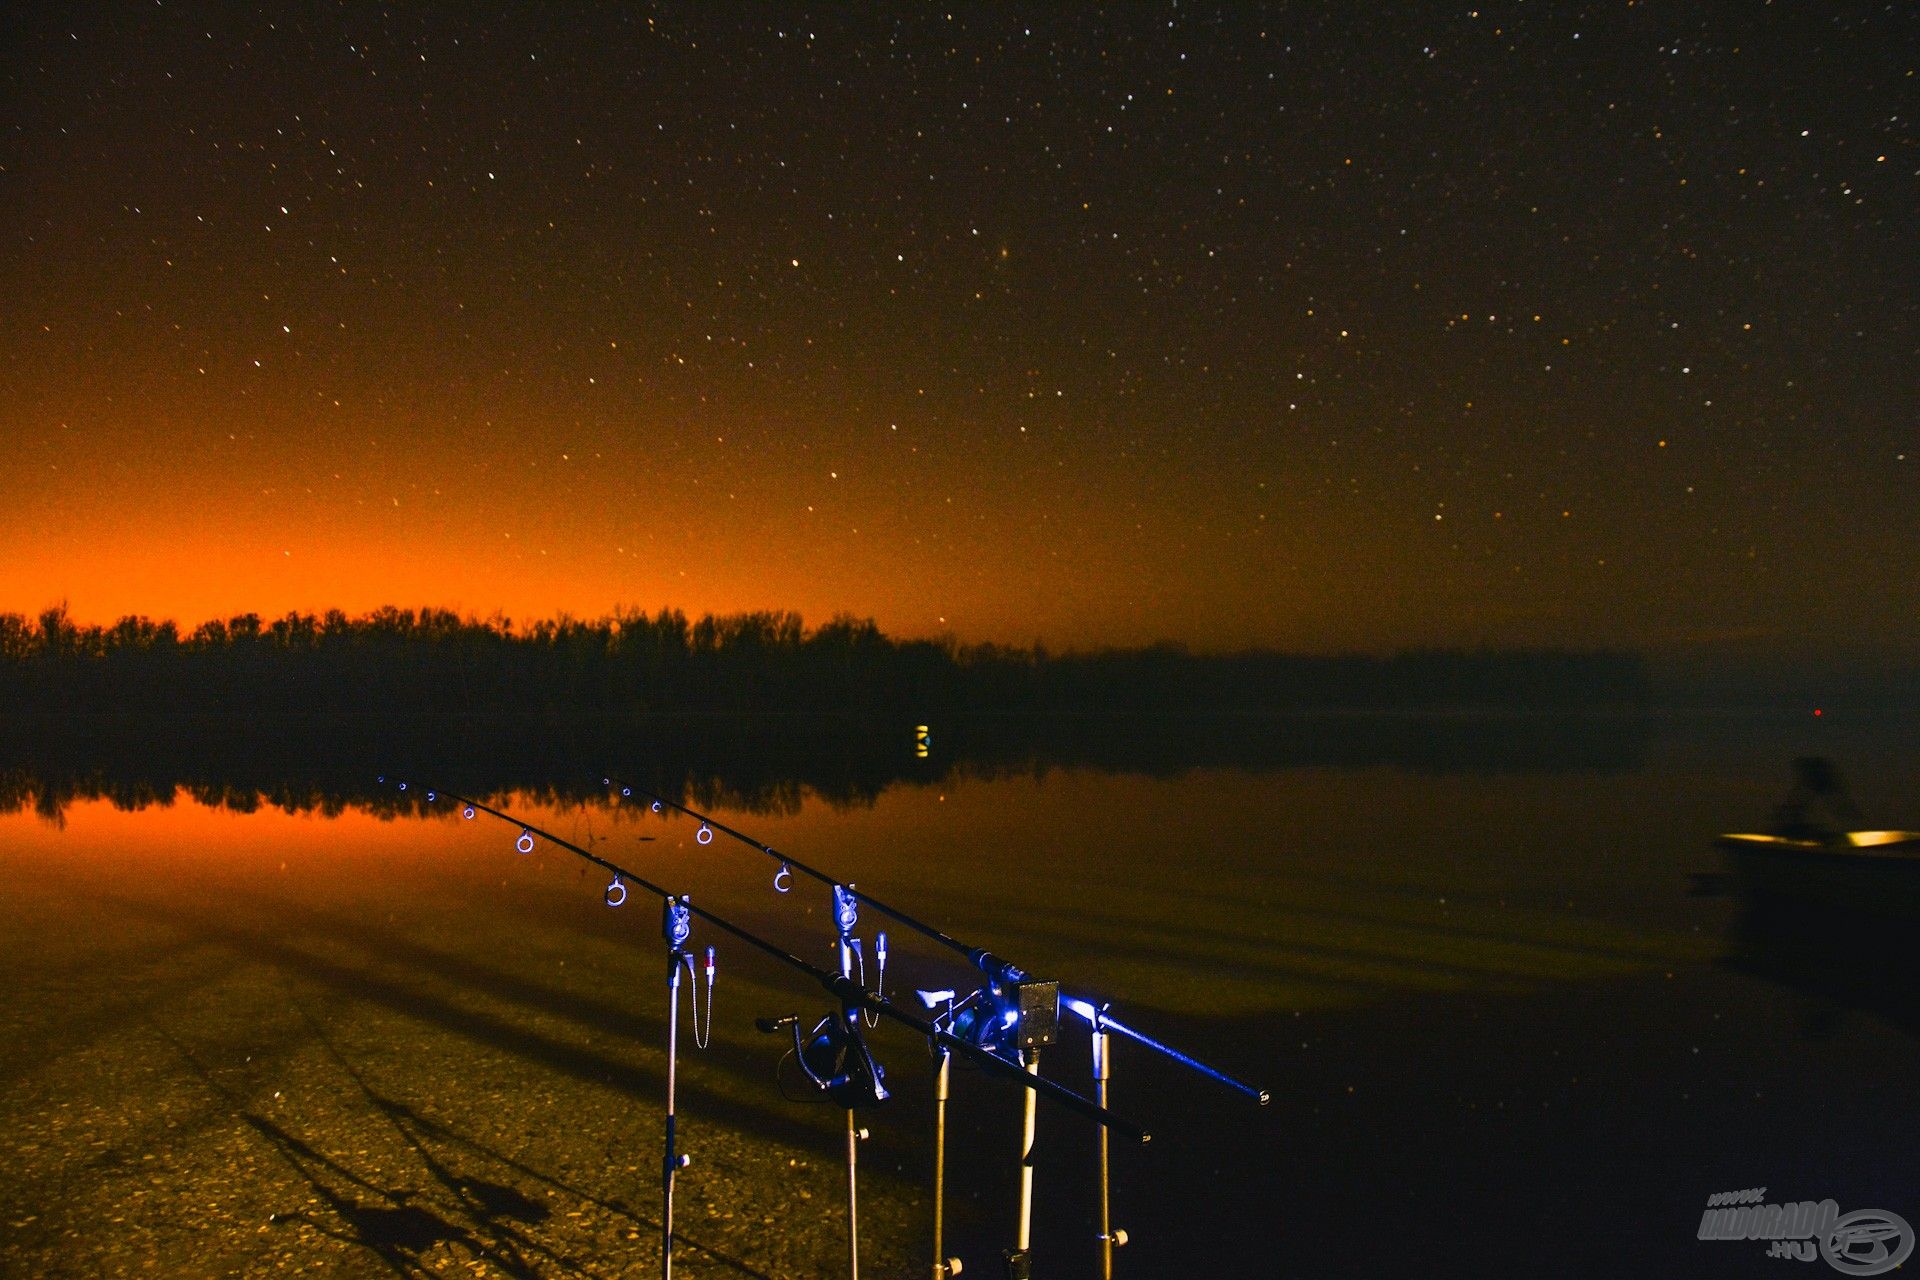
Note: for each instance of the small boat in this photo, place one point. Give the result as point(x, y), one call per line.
point(1804, 862)
point(1861, 843)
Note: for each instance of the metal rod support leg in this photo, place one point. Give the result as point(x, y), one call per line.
point(1102, 1067)
point(853, 1123)
point(943, 1267)
point(670, 1163)
point(1019, 1262)
point(853, 1196)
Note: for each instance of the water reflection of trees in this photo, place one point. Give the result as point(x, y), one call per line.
point(763, 764)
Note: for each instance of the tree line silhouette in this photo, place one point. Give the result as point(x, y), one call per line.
point(400, 662)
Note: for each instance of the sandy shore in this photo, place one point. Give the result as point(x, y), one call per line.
point(209, 1074)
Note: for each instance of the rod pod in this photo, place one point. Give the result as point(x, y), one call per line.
point(841, 989)
point(996, 970)
point(853, 998)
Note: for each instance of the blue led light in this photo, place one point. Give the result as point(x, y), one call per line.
point(784, 873)
point(656, 806)
point(403, 786)
point(626, 791)
point(525, 843)
point(467, 813)
point(616, 893)
point(430, 797)
point(704, 835)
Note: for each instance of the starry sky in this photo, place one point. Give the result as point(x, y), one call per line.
point(1316, 325)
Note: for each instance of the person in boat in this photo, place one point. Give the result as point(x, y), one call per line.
point(1818, 807)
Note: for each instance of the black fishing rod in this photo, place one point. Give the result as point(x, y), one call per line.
point(843, 989)
point(999, 972)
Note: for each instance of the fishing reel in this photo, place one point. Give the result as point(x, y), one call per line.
point(835, 1058)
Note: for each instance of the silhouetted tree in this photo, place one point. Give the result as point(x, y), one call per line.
point(397, 662)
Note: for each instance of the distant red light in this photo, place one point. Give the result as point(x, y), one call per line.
point(1817, 711)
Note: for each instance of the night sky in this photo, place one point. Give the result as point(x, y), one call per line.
point(1321, 326)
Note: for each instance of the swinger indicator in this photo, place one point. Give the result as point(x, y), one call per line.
point(922, 741)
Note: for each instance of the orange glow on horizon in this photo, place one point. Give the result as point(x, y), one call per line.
point(478, 552)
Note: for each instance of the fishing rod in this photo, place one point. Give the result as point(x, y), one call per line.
point(999, 973)
point(840, 988)
point(1012, 1013)
point(836, 1058)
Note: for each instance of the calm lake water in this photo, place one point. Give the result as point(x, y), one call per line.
point(1500, 1034)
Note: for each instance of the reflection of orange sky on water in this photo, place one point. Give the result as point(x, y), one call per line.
point(188, 833)
point(1268, 892)
point(919, 846)
point(186, 825)
point(1087, 825)
point(188, 829)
